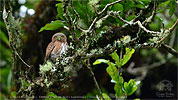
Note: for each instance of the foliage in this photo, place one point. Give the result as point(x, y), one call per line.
point(122, 89)
point(87, 25)
point(81, 14)
point(54, 25)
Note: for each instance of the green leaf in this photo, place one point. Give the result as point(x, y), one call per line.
point(25, 84)
point(130, 17)
point(13, 94)
point(127, 56)
point(118, 7)
point(130, 87)
point(119, 90)
point(60, 11)
point(156, 25)
point(52, 96)
point(172, 7)
point(128, 5)
point(54, 25)
point(106, 97)
point(99, 61)
point(82, 10)
point(112, 71)
point(161, 11)
point(5, 51)
point(4, 38)
point(115, 56)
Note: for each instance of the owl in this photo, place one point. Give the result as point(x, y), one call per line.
point(56, 47)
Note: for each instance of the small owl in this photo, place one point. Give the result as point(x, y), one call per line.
point(56, 47)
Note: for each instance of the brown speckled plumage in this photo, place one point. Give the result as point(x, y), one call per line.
point(56, 47)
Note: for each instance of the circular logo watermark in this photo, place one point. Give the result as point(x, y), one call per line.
point(165, 89)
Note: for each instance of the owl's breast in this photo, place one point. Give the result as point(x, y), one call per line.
point(59, 49)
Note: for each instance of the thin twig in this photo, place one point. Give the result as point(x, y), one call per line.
point(146, 30)
point(173, 26)
point(94, 78)
point(131, 23)
point(172, 39)
point(75, 13)
point(170, 50)
point(149, 19)
point(20, 56)
point(68, 17)
point(98, 15)
point(107, 6)
point(168, 32)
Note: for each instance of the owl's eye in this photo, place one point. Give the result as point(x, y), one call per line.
point(62, 37)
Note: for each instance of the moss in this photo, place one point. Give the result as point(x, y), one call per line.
point(93, 5)
point(47, 67)
point(47, 83)
point(98, 23)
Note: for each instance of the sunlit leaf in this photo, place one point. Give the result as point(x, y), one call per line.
point(131, 86)
point(99, 61)
point(54, 25)
point(106, 97)
point(112, 71)
point(127, 56)
point(115, 56)
point(119, 90)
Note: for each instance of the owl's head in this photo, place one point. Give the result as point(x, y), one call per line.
point(59, 37)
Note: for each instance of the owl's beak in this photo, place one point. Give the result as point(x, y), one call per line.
point(59, 38)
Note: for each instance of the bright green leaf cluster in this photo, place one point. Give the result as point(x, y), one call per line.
point(121, 88)
point(120, 62)
point(130, 87)
point(112, 71)
point(127, 56)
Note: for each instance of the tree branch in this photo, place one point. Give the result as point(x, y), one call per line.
point(107, 6)
point(94, 78)
point(170, 50)
point(173, 26)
